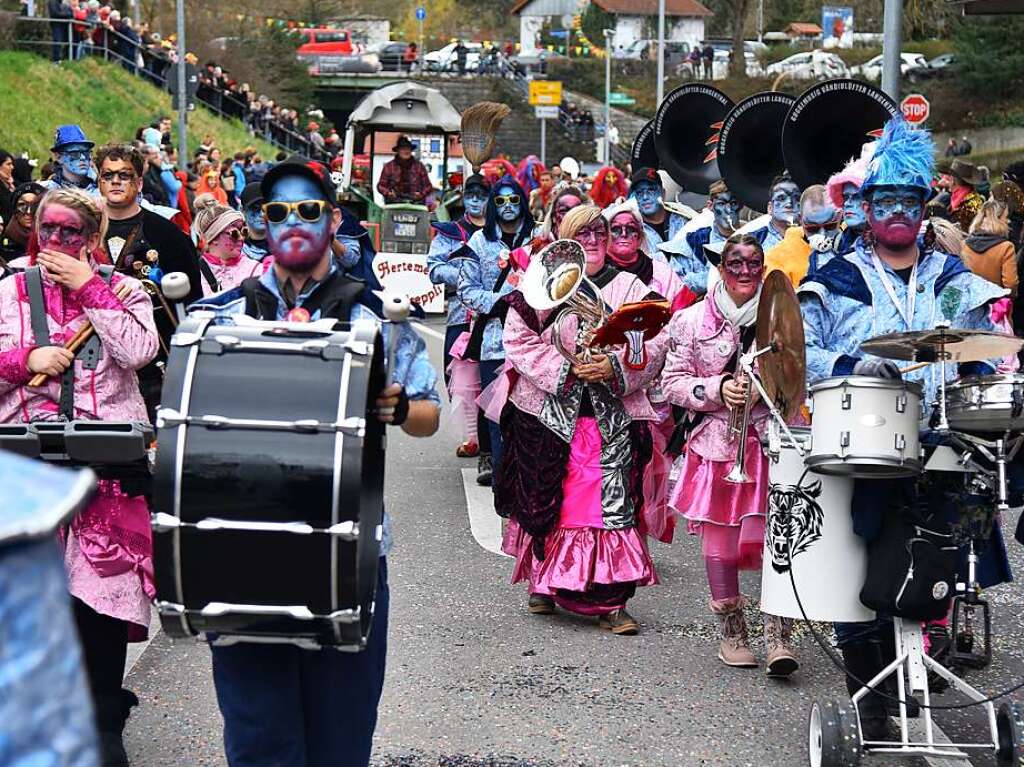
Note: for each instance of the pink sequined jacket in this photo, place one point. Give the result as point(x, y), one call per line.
point(701, 344)
point(544, 374)
point(109, 553)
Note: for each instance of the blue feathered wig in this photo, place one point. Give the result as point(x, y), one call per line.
point(903, 156)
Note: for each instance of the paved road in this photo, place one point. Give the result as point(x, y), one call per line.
point(474, 680)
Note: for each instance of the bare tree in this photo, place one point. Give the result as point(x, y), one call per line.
point(738, 62)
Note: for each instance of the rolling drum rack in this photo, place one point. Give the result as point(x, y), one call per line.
point(834, 731)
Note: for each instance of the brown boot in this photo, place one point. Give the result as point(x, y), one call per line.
point(780, 660)
point(540, 604)
point(619, 622)
point(735, 649)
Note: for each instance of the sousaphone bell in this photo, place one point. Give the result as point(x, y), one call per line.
point(686, 133)
point(750, 147)
point(644, 153)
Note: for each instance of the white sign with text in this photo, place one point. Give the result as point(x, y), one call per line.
point(407, 273)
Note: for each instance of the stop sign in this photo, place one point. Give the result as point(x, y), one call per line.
point(915, 108)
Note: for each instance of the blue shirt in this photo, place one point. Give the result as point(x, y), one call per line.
point(449, 237)
point(685, 255)
point(675, 225)
point(412, 362)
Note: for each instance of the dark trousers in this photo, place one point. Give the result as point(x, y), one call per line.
point(488, 372)
point(59, 48)
point(104, 643)
point(288, 707)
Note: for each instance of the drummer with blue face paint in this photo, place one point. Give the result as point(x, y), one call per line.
point(659, 224)
point(72, 156)
point(283, 704)
point(892, 280)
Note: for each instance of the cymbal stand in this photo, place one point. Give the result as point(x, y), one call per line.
point(747, 365)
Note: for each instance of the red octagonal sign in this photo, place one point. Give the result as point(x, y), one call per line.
point(915, 108)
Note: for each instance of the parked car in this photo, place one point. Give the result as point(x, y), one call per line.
point(810, 65)
point(325, 41)
point(444, 59)
point(872, 70)
point(330, 64)
point(940, 66)
point(647, 50)
point(391, 54)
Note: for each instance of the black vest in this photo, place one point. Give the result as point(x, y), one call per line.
point(333, 298)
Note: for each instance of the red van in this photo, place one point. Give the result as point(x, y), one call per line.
point(325, 42)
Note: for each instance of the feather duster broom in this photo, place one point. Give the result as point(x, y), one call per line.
point(480, 123)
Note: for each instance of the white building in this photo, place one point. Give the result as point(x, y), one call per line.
point(634, 19)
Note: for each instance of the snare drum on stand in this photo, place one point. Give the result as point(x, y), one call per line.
point(865, 427)
point(269, 483)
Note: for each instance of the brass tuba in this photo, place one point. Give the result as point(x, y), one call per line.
point(553, 281)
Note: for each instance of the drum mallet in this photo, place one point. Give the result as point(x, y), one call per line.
point(176, 286)
point(915, 366)
point(396, 309)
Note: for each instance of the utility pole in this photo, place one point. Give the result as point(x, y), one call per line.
point(892, 45)
point(182, 91)
point(661, 52)
point(608, 95)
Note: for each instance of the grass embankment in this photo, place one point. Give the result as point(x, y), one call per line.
point(107, 101)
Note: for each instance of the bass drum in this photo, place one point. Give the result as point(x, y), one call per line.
point(809, 541)
point(269, 483)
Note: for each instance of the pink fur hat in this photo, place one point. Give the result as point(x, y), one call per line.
point(854, 173)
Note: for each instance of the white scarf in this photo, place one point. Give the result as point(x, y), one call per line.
point(740, 316)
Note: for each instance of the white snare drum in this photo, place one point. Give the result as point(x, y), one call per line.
point(986, 404)
point(809, 530)
point(865, 427)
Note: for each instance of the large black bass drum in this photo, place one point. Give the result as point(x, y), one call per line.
point(269, 488)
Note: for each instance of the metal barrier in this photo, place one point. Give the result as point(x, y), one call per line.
point(113, 46)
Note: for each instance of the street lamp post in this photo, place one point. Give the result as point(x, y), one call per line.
point(608, 95)
point(182, 90)
point(661, 52)
point(892, 39)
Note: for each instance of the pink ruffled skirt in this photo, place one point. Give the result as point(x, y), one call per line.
point(656, 519)
point(729, 518)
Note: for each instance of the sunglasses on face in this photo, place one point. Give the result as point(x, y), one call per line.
point(506, 199)
point(751, 266)
point(125, 176)
point(77, 154)
point(309, 211)
point(591, 234)
point(831, 226)
point(237, 234)
point(727, 204)
point(63, 233)
point(625, 230)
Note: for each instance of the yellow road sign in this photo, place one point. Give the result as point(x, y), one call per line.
point(545, 92)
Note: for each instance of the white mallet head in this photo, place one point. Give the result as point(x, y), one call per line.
point(175, 285)
point(396, 306)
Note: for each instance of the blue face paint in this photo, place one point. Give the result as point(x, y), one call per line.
point(75, 159)
point(507, 203)
point(256, 222)
point(299, 245)
point(475, 202)
point(890, 201)
point(648, 197)
point(784, 201)
point(894, 214)
point(727, 213)
point(853, 212)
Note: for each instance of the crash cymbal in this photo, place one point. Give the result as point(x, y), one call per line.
point(954, 344)
point(780, 325)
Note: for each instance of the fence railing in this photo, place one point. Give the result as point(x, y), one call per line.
point(73, 40)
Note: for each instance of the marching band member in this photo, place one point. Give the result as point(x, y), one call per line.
point(660, 226)
point(449, 237)
point(107, 547)
point(578, 441)
point(222, 234)
point(783, 211)
point(706, 341)
point(283, 705)
point(486, 273)
point(844, 191)
point(255, 246)
point(891, 281)
point(685, 252)
point(819, 226)
point(627, 249)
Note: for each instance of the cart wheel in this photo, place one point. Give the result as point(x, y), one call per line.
point(832, 736)
point(1010, 729)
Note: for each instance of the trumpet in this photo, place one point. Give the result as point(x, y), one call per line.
point(739, 422)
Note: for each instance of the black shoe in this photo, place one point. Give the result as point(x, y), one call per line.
point(112, 753)
point(483, 470)
point(863, 661)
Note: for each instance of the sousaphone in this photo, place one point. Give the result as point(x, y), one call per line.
point(644, 154)
point(828, 124)
point(750, 147)
point(686, 134)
